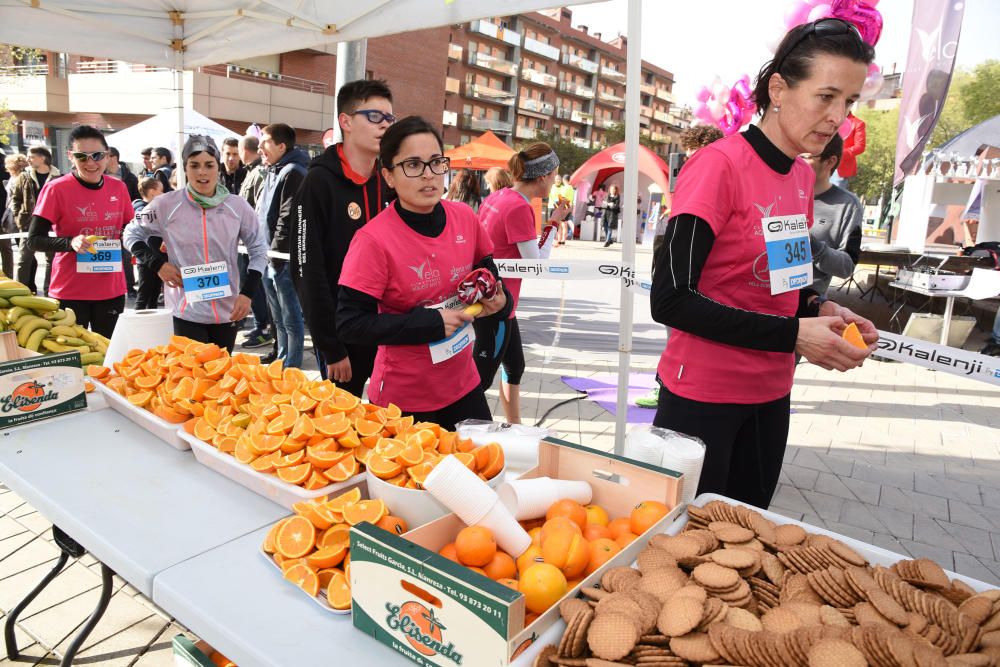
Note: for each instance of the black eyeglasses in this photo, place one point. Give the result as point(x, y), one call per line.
point(96, 156)
point(414, 168)
point(821, 28)
point(375, 116)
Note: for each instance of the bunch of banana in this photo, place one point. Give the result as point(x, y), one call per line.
point(42, 326)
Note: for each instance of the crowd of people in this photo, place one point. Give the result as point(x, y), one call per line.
point(365, 246)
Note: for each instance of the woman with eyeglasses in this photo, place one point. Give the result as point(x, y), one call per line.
point(86, 277)
point(201, 226)
point(399, 285)
point(732, 277)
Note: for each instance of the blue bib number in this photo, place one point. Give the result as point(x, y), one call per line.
point(206, 282)
point(106, 258)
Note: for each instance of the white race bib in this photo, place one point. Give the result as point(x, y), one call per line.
point(445, 349)
point(206, 282)
point(106, 258)
point(789, 256)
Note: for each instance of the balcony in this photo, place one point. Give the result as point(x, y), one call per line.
point(541, 48)
point(523, 132)
point(496, 32)
point(483, 124)
point(613, 74)
point(606, 122)
point(487, 94)
point(564, 113)
point(582, 117)
point(661, 116)
point(32, 88)
point(538, 106)
point(454, 52)
point(645, 112)
point(449, 118)
point(493, 63)
point(582, 142)
point(577, 89)
point(660, 137)
point(611, 99)
point(273, 78)
point(648, 88)
point(539, 78)
point(665, 95)
point(580, 62)
point(452, 85)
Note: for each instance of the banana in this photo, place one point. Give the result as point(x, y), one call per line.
point(53, 315)
point(42, 303)
point(75, 342)
point(17, 311)
point(7, 283)
point(68, 318)
point(35, 339)
point(8, 292)
point(63, 330)
point(91, 358)
point(474, 309)
point(4, 303)
point(30, 327)
point(53, 346)
point(22, 320)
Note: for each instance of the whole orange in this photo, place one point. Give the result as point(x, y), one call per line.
point(393, 524)
point(501, 567)
point(509, 583)
point(595, 531)
point(601, 551)
point(625, 538)
point(542, 585)
point(475, 546)
point(597, 514)
point(646, 514)
point(450, 552)
point(536, 535)
point(618, 526)
point(566, 550)
point(570, 509)
point(530, 557)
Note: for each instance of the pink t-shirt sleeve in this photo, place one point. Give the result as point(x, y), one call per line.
point(520, 224)
point(704, 188)
point(366, 268)
point(49, 204)
point(484, 246)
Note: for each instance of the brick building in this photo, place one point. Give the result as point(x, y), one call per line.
point(514, 75)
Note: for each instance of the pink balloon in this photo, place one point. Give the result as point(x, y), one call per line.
point(715, 108)
point(704, 94)
point(873, 83)
point(702, 113)
point(863, 15)
point(845, 128)
point(732, 120)
point(720, 92)
point(796, 14)
point(819, 12)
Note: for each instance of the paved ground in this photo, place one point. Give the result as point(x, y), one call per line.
point(891, 454)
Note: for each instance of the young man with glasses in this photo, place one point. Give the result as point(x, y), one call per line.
point(23, 196)
point(341, 193)
point(76, 207)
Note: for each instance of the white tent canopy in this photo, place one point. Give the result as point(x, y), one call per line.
point(161, 130)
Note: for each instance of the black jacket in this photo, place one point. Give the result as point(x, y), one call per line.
point(331, 207)
point(233, 181)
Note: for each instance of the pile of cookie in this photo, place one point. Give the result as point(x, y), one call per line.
point(735, 588)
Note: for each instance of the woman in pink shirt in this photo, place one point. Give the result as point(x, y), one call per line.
point(509, 221)
point(399, 285)
point(732, 277)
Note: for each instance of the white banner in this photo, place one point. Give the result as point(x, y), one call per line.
point(939, 357)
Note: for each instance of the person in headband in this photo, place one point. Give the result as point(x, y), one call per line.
point(539, 166)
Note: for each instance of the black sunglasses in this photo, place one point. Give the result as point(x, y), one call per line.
point(375, 116)
point(96, 156)
point(820, 28)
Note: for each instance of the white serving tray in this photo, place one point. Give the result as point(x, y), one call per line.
point(162, 429)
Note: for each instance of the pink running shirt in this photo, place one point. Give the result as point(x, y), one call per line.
point(403, 270)
point(73, 210)
point(509, 220)
point(732, 188)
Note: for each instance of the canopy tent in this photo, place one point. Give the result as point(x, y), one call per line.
point(184, 34)
point(161, 130)
point(483, 152)
point(611, 161)
point(966, 143)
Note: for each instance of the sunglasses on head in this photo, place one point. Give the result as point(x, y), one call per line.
point(375, 116)
point(821, 28)
point(96, 156)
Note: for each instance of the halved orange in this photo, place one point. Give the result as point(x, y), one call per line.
point(344, 469)
point(338, 592)
point(295, 538)
point(295, 474)
point(343, 500)
point(326, 557)
point(365, 510)
point(337, 534)
point(382, 467)
point(269, 541)
point(304, 577)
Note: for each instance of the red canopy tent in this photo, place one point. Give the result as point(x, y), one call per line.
point(612, 161)
point(481, 153)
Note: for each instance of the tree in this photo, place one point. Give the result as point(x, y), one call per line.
point(570, 155)
point(980, 100)
point(877, 164)
point(8, 121)
point(952, 120)
point(615, 134)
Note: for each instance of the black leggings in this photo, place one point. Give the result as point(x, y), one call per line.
point(498, 343)
point(471, 406)
point(744, 444)
point(223, 334)
point(100, 316)
point(149, 286)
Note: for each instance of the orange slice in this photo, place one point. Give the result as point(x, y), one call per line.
point(853, 336)
point(274, 369)
point(336, 534)
point(322, 391)
point(302, 401)
point(98, 372)
point(344, 401)
point(344, 469)
point(411, 455)
point(272, 535)
point(264, 464)
point(365, 510)
point(366, 427)
point(343, 500)
point(338, 592)
point(295, 538)
point(382, 467)
point(327, 557)
point(140, 399)
point(324, 458)
point(468, 460)
point(304, 577)
point(296, 475)
point(292, 459)
point(334, 426)
point(424, 438)
point(303, 428)
point(316, 481)
point(390, 448)
point(285, 421)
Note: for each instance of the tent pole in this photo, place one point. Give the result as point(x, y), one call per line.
point(351, 61)
point(627, 228)
point(179, 88)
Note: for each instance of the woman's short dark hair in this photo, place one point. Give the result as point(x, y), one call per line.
point(86, 132)
point(793, 59)
point(399, 131)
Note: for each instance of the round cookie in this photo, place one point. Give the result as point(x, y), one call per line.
point(612, 636)
point(680, 615)
point(835, 653)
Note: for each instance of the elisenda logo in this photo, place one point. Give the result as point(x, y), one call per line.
point(422, 629)
point(27, 397)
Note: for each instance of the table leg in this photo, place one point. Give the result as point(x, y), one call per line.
point(949, 306)
point(10, 641)
point(107, 585)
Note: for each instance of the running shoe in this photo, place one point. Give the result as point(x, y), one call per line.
point(650, 400)
point(257, 338)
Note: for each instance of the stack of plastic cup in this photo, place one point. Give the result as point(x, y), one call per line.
point(669, 449)
point(531, 498)
point(476, 504)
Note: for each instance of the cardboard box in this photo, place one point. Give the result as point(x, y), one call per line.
point(436, 612)
point(37, 387)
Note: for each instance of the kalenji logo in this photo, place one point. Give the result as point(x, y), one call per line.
point(422, 630)
point(27, 397)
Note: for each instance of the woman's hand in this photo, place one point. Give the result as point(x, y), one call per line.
point(81, 244)
point(820, 342)
point(560, 212)
point(240, 308)
point(170, 275)
point(454, 319)
point(494, 305)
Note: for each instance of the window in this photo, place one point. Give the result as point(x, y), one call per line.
point(467, 109)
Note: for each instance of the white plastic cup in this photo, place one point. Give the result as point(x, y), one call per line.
point(532, 498)
point(460, 490)
point(507, 532)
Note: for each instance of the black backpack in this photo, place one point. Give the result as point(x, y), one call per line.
point(989, 249)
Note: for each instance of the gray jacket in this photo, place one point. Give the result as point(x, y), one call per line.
point(835, 236)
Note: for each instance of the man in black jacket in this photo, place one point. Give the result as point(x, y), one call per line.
point(120, 170)
point(342, 191)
